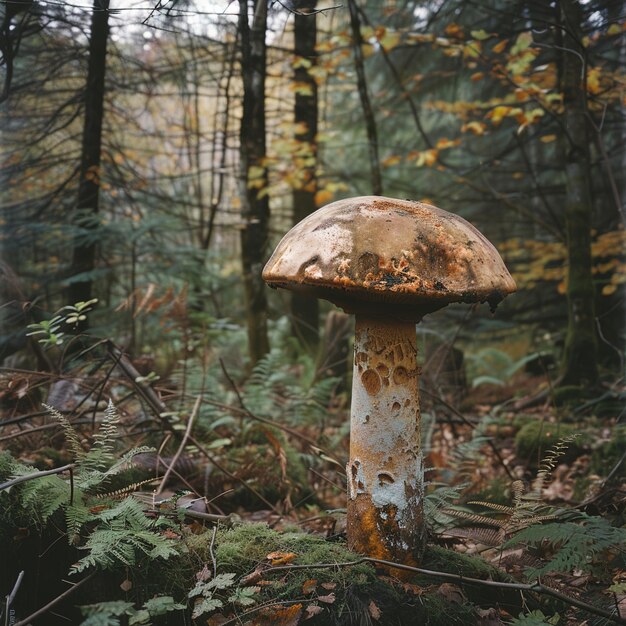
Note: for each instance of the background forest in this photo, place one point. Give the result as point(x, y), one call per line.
point(156, 398)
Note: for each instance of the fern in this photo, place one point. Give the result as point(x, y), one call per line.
point(124, 533)
point(100, 454)
point(71, 437)
point(575, 545)
point(111, 613)
point(535, 618)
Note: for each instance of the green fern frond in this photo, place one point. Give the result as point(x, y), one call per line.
point(77, 515)
point(100, 454)
point(580, 545)
point(123, 535)
point(126, 460)
point(71, 436)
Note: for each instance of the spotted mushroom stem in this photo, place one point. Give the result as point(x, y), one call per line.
point(385, 472)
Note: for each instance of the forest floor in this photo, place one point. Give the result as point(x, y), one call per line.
point(216, 506)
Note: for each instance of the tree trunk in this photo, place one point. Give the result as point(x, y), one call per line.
point(253, 178)
point(84, 255)
point(368, 113)
point(580, 357)
point(305, 311)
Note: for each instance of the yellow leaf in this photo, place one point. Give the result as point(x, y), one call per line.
point(476, 76)
point(281, 558)
point(478, 128)
point(454, 30)
point(593, 80)
point(480, 34)
point(302, 89)
point(522, 42)
point(301, 62)
point(444, 143)
point(500, 46)
point(390, 40)
point(472, 50)
point(614, 29)
point(426, 158)
point(323, 196)
point(607, 290)
point(394, 159)
point(497, 114)
point(255, 172)
point(548, 138)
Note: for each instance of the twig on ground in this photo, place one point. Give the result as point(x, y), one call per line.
point(22, 479)
point(211, 551)
point(534, 587)
point(44, 609)
point(11, 597)
point(182, 445)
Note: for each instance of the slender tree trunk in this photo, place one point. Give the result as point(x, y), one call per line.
point(368, 113)
point(580, 358)
point(305, 311)
point(253, 174)
point(84, 255)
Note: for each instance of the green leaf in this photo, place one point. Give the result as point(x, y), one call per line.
point(481, 34)
point(221, 581)
point(161, 605)
point(523, 41)
point(244, 596)
point(206, 606)
point(140, 617)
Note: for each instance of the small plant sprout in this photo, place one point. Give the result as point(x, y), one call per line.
point(390, 262)
point(50, 332)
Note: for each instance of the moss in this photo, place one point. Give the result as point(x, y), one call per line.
point(242, 548)
point(605, 457)
point(535, 438)
point(572, 395)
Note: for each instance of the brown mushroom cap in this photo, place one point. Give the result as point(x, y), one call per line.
point(379, 255)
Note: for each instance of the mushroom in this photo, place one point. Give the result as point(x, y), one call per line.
point(390, 262)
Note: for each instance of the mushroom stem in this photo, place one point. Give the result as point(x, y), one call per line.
point(385, 472)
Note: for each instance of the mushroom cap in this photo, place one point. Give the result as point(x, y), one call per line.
point(382, 256)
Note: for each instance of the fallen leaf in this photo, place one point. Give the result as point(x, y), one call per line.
point(281, 558)
point(374, 610)
point(281, 616)
point(203, 574)
point(312, 610)
point(451, 593)
point(309, 586)
point(488, 617)
point(411, 588)
point(329, 586)
point(329, 599)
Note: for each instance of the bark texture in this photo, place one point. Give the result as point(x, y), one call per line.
point(84, 254)
point(368, 112)
point(255, 205)
point(305, 310)
point(580, 356)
